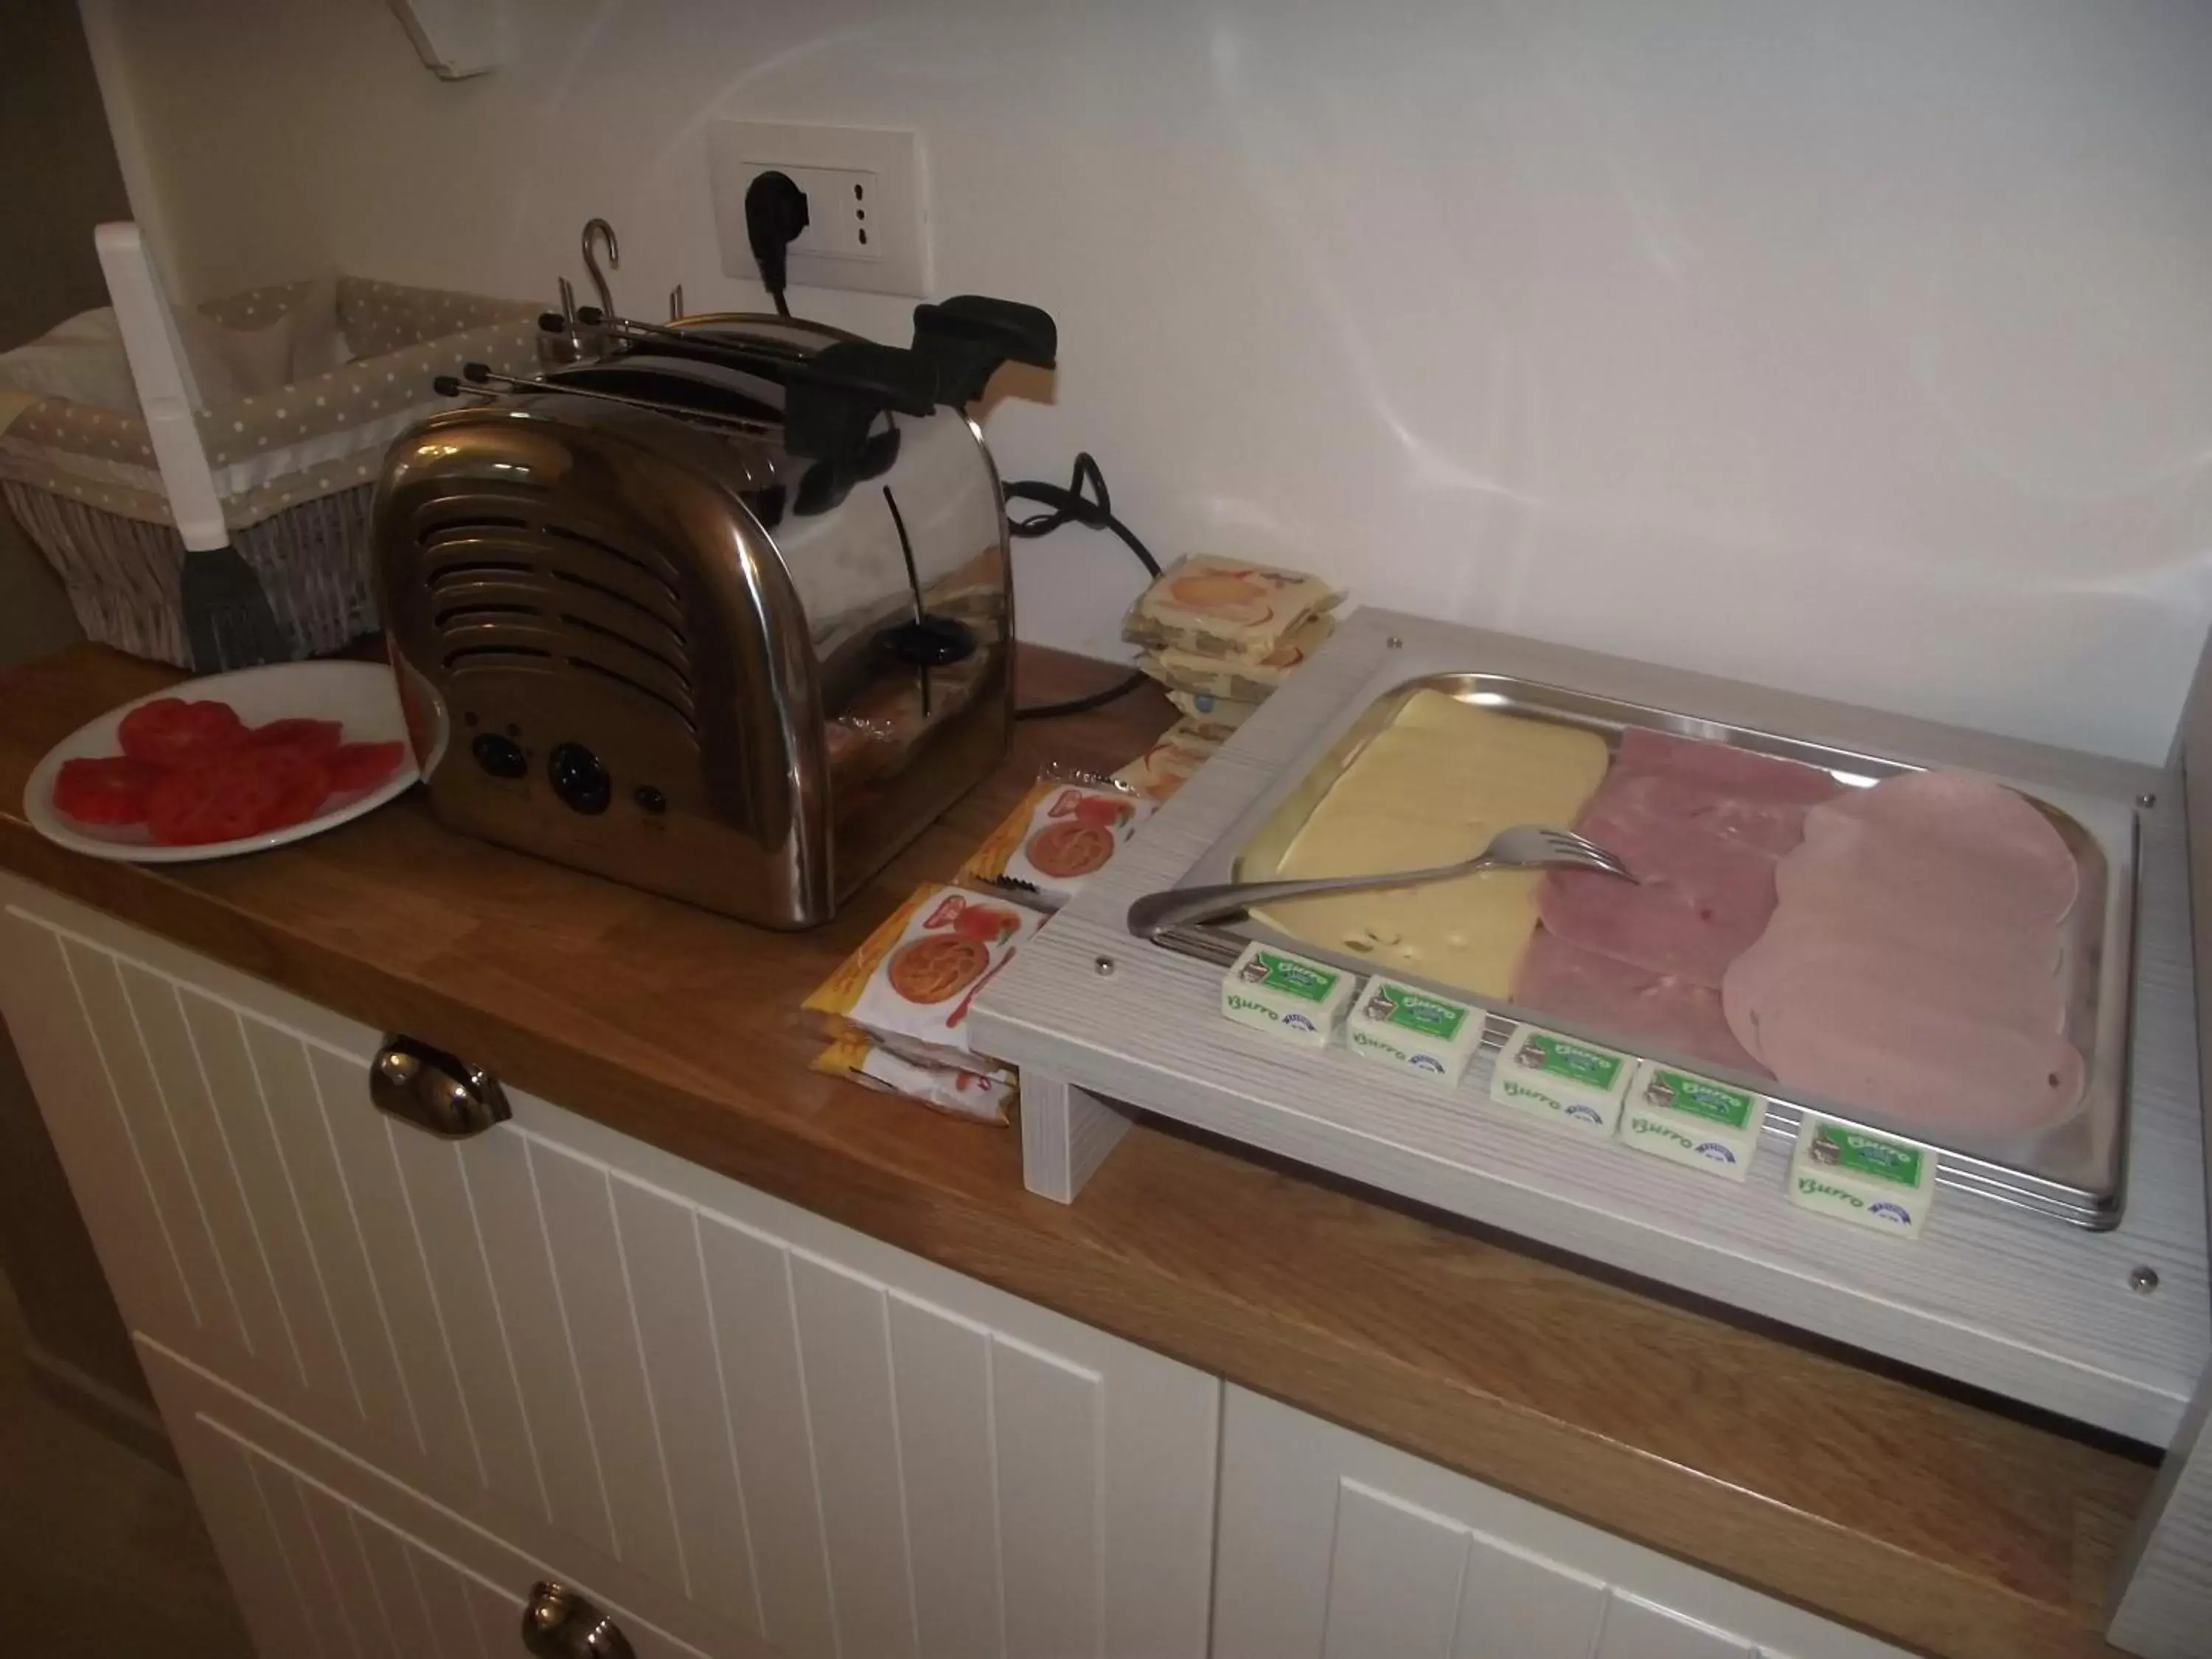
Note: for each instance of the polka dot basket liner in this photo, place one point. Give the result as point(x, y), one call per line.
point(294, 468)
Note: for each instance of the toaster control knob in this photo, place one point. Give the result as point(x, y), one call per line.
point(578, 778)
point(501, 756)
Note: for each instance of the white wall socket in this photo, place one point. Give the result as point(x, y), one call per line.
point(866, 229)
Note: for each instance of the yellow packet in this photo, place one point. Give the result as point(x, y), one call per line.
point(981, 1096)
point(910, 984)
point(1165, 768)
point(1056, 839)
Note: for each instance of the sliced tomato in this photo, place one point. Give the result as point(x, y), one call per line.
point(304, 783)
point(226, 800)
point(363, 765)
point(112, 789)
point(300, 737)
point(169, 731)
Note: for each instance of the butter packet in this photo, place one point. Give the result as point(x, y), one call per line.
point(1222, 608)
point(1692, 1121)
point(1287, 996)
point(910, 984)
point(1884, 1184)
point(1059, 837)
point(1222, 714)
point(1415, 1030)
point(1244, 682)
point(1560, 1079)
point(981, 1096)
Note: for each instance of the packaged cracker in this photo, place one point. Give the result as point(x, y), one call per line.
point(910, 984)
point(1224, 713)
point(1167, 765)
point(1062, 834)
point(983, 1097)
point(1228, 609)
point(1244, 682)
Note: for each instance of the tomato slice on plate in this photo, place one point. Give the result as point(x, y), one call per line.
point(224, 800)
point(363, 765)
point(169, 731)
point(314, 738)
point(304, 783)
point(112, 789)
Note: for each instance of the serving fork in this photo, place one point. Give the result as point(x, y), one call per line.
point(1522, 847)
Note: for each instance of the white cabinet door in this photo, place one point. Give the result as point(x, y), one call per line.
point(1333, 1547)
point(604, 1355)
point(331, 1560)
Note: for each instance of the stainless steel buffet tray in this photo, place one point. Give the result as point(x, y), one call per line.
point(2072, 1170)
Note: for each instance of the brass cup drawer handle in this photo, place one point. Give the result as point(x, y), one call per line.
point(431, 1089)
point(559, 1624)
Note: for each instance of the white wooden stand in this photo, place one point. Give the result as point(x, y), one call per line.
point(2022, 1305)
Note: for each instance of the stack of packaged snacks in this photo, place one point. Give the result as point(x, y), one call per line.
point(1064, 831)
point(1221, 634)
point(897, 1007)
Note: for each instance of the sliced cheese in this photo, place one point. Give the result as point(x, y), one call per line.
point(1432, 788)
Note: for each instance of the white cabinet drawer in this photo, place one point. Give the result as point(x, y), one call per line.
point(331, 1560)
point(599, 1352)
point(1334, 1546)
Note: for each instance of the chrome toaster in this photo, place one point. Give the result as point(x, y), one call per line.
point(724, 611)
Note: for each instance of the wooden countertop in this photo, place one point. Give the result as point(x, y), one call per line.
point(1921, 1518)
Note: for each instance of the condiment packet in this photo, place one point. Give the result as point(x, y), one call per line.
point(910, 984)
point(984, 1097)
point(1059, 835)
point(1168, 764)
point(1225, 608)
point(1203, 707)
point(1246, 682)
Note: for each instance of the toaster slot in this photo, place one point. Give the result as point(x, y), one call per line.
point(599, 650)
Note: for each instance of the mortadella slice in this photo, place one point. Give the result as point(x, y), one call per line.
point(1964, 844)
point(1848, 1028)
point(1917, 963)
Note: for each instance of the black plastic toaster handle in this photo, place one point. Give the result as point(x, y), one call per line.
point(969, 335)
point(831, 405)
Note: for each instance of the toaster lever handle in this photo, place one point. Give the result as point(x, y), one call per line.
point(969, 335)
point(829, 411)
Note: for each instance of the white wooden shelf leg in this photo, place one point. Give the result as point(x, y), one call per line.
point(1066, 1133)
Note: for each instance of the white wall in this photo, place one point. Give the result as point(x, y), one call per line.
point(1863, 349)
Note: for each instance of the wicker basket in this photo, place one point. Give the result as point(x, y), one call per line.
point(294, 468)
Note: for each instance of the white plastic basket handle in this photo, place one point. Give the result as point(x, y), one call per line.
point(167, 394)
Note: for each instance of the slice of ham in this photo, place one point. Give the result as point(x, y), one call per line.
point(1699, 899)
point(1632, 1006)
point(1772, 827)
point(1722, 769)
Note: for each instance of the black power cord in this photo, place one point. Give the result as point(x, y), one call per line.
point(1094, 511)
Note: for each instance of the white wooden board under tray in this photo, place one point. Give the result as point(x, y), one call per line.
point(2029, 1308)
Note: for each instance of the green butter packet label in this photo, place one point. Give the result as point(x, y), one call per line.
point(1682, 1091)
point(1540, 1051)
point(1866, 1155)
point(1428, 1016)
point(1306, 980)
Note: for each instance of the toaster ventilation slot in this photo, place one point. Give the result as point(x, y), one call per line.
point(518, 588)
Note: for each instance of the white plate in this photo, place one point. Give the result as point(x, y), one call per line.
point(362, 695)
